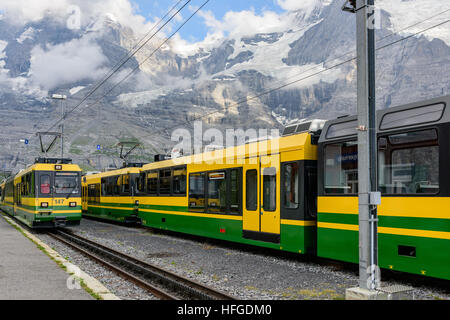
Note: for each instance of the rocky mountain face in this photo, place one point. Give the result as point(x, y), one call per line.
point(263, 80)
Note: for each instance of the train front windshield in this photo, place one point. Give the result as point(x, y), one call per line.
point(67, 183)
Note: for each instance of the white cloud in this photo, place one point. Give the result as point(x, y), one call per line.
point(25, 11)
point(245, 22)
point(234, 25)
point(76, 60)
point(305, 5)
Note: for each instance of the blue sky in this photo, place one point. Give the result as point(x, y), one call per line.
point(195, 29)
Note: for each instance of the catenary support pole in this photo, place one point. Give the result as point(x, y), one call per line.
point(368, 197)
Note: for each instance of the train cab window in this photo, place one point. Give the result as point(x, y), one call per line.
point(251, 190)
point(269, 189)
point(66, 182)
point(179, 181)
point(152, 182)
point(409, 163)
point(197, 192)
point(341, 168)
point(217, 192)
point(44, 184)
point(291, 177)
point(165, 178)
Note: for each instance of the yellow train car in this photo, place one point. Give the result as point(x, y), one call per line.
point(111, 195)
point(261, 193)
point(46, 194)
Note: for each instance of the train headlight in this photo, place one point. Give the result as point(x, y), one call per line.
point(44, 204)
point(72, 204)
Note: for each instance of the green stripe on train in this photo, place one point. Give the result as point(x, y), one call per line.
point(29, 217)
point(430, 224)
point(292, 237)
point(430, 258)
point(115, 214)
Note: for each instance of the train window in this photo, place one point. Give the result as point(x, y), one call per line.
point(140, 183)
point(413, 137)
point(116, 182)
point(234, 191)
point(269, 189)
point(412, 116)
point(342, 129)
point(251, 190)
point(197, 192)
point(45, 184)
point(93, 194)
point(165, 177)
point(104, 187)
point(66, 183)
point(179, 181)
point(125, 184)
point(152, 182)
point(291, 174)
point(110, 186)
point(217, 192)
point(341, 168)
point(409, 168)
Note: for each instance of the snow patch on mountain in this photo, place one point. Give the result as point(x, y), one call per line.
point(405, 13)
point(75, 90)
point(27, 34)
point(3, 45)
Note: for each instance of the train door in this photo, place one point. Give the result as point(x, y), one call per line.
point(251, 212)
point(261, 214)
point(17, 200)
point(133, 185)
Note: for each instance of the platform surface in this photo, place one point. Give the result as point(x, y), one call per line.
point(27, 273)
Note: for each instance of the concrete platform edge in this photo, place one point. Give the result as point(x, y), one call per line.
point(89, 284)
point(364, 294)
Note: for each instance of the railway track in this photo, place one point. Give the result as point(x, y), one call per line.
point(161, 283)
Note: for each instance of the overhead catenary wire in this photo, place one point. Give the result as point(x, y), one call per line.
point(300, 79)
point(124, 60)
point(198, 9)
point(241, 101)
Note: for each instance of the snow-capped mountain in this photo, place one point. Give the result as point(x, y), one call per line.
point(229, 76)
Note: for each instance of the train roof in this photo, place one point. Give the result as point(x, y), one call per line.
point(298, 141)
point(412, 115)
point(48, 167)
point(111, 173)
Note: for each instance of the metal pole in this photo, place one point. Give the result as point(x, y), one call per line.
point(368, 196)
point(62, 129)
point(62, 98)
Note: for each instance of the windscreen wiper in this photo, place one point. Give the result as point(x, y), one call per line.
point(70, 193)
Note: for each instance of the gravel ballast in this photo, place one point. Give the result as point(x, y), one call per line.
point(241, 271)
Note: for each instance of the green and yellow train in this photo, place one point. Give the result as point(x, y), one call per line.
point(46, 194)
point(299, 192)
point(110, 195)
